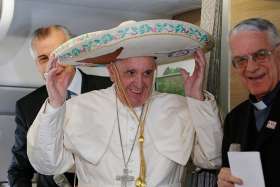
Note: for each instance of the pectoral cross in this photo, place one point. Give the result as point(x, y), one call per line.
point(124, 178)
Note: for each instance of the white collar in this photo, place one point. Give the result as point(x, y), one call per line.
point(76, 83)
point(260, 105)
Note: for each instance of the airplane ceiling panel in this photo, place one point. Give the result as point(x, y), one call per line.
point(6, 16)
point(161, 7)
point(15, 34)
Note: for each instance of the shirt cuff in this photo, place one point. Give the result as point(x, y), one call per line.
point(49, 109)
point(207, 97)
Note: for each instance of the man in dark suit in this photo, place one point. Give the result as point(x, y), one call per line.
point(255, 123)
point(43, 42)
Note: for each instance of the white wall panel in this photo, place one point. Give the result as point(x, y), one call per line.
point(7, 128)
point(9, 96)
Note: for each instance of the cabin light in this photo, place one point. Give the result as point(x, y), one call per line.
point(6, 16)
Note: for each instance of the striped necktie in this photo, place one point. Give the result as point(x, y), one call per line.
point(70, 94)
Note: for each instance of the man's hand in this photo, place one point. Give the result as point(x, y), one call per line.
point(194, 84)
point(58, 79)
point(225, 179)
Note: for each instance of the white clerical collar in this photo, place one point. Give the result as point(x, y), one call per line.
point(76, 83)
point(260, 105)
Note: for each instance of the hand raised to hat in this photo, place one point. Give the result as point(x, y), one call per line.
point(193, 85)
point(58, 79)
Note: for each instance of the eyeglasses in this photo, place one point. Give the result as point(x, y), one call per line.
point(261, 56)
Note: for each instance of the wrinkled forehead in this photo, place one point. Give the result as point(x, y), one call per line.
point(142, 60)
point(248, 42)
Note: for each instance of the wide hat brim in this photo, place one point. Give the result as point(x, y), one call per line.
point(167, 40)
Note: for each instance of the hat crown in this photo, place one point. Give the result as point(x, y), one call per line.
point(126, 23)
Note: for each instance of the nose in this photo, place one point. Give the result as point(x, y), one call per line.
point(139, 82)
point(252, 65)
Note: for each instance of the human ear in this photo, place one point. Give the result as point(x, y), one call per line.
point(111, 72)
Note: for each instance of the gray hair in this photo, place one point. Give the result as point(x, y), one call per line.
point(44, 32)
point(258, 25)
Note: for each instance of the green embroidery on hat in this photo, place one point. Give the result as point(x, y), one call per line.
point(76, 52)
point(122, 33)
point(179, 28)
point(87, 44)
point(106, 38)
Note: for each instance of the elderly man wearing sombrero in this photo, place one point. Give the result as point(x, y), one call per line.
point(128, 135)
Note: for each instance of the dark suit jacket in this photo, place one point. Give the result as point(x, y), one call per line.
point(240, 128)
point(20, 171)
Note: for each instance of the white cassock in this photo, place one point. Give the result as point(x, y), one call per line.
point(84, 132)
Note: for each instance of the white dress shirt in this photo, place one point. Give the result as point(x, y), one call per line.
point(76, 83)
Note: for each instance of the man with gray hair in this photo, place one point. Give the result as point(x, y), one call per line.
point(254, 124)
point(44, 40)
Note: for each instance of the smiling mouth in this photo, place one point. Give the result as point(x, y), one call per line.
point(256, 77)
point(136, 91)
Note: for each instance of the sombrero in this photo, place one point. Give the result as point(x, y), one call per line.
point(167, 40)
